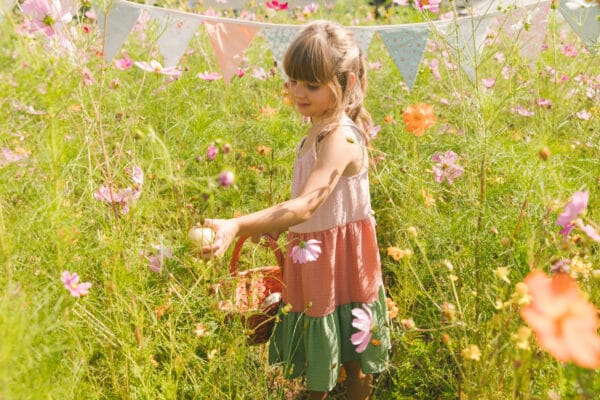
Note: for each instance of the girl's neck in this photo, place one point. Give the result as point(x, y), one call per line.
point(319, 124)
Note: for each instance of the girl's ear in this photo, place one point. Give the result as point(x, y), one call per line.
point(351, 81)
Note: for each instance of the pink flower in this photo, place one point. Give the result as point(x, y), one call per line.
point(583, 115)
point(155, 67)
point(488, 82)
point(564, 322)
point(122, 197)
point(226, 178)
point(259, 73)
point(156, 261)
point(445, 167)
point(240, 73)
point(72, 284)
point(211, 152)
point(47, 16)
point(209, 76)
point(429, 5)
point(544, 103)
point(434, 67)
point(277, 6)
point(569, 50)
point(569, 218)
point(123, 63)
point(88, 79)
point(364, 323)
point(306, 251)
point(522, 111)
point(373, 131)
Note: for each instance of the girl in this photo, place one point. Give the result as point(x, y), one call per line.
point(332, 269)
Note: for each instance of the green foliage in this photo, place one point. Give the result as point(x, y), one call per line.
point(141, 334)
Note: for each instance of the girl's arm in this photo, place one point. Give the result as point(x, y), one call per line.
point(335, 156)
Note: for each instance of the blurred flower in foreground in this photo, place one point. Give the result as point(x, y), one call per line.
point(226, 178)
point(471, 352)
point(306, 251)
point(569, 218)
point(211, 152)
point(397, 253)
point(445, 167)
point(418, 118)
point(363, 321)
point(429, 5)
point(72, 284)
point(209, 76)
point(564, 322)
point(155, 67)
point(48, 16)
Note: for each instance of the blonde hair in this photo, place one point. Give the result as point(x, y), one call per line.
point(325, 52)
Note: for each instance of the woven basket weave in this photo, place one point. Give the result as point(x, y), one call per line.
point(254, 294)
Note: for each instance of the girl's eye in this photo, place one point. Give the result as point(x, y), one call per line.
point(312, 87)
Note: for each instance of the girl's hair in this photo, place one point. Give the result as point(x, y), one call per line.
point(325, 52)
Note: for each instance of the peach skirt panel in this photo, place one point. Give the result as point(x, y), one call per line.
point(348, 270)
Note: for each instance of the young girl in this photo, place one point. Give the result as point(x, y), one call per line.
point(338, 309)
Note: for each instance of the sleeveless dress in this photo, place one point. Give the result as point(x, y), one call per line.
point(312, 339)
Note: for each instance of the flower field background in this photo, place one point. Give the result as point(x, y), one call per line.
point(486, 195)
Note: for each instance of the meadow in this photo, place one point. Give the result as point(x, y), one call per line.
point(526, 135)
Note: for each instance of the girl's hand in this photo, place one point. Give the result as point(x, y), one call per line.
point(225, 232)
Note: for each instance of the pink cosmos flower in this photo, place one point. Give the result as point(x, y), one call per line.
point(375, 65)
point(373, 131)
point(364, 323)
point(209, 76)
point(7, 156)
point(226, 178)
point(259, 73)
point(211, 152)
point(429, 5)
point(156, 261)
point(277, 6)
point(240, 73)
point(544, 103)
point(47, 16)
point(434, 68)
point(569, 50)
point(445, 167)
point(123, 63)
point(72, 284)
point(583, 115)
point(87, 77)
point(488, 82)
point(569, 218)
point(522, 111)
point(155, 67)
point(122, 197)
point(306, 251)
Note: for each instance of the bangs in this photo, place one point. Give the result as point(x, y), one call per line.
point(309, 59)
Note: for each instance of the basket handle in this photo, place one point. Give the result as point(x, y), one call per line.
point(237, 251)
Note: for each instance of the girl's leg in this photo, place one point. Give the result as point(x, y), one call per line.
point(317, 395)
point(358, 384)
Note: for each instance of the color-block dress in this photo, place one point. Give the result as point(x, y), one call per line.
point(313, 338)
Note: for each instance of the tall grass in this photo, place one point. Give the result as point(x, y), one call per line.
point(146, 335)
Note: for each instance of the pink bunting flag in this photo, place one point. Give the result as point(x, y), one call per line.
point(230, 42)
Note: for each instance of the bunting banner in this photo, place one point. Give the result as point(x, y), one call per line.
point(584, 19)
point(174, 34)
point(116, 26)
point(406, 46)
point(465, 36)
point(229, 42)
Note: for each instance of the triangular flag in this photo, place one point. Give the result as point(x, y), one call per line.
point(584, 21)
point(230, 42)
point(363, 38)
point(406, 46)
point(526, 26)
point(175, 31)
point(5, 7)
point(119, 22)
point(279, 38)
point(465, 37)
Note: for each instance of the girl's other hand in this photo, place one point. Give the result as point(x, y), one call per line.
point(225, 232)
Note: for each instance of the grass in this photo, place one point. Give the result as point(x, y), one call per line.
point(133, 336)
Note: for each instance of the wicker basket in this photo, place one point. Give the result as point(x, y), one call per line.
point(254, 294)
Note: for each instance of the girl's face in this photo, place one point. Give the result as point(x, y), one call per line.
point(313, 100)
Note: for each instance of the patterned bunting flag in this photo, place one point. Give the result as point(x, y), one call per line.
point(116, 26)
point(175, 31)
point(230, 42)
point(363, 38)
point(584, 19)
point(465, 37)
point(406, 46)
point(279, 37)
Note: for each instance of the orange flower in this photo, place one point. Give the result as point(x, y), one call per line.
point(388, 119)
point(268, 111)
point(565, 323)
point(263, 150)
point(397, 253)
point(418, 118)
